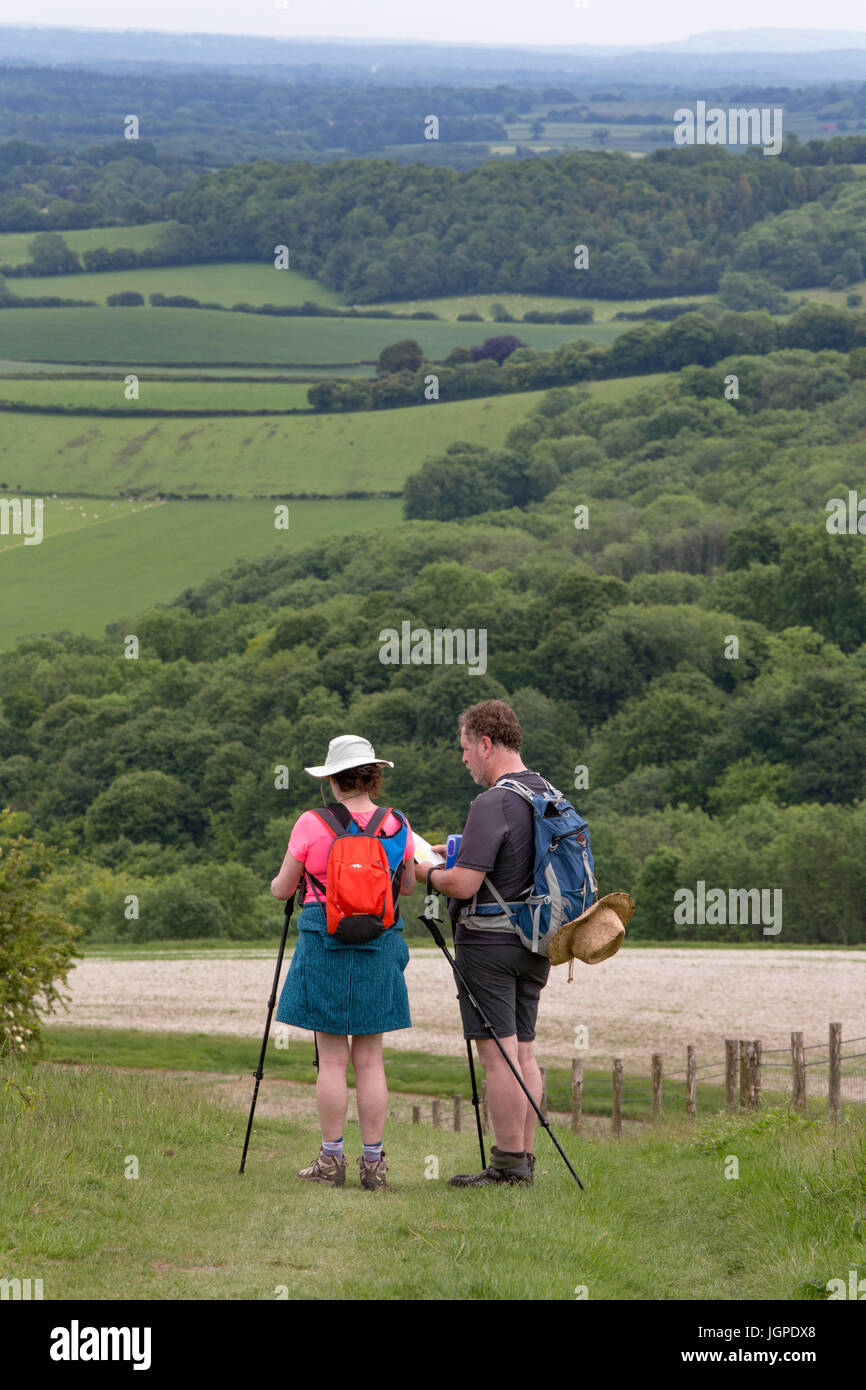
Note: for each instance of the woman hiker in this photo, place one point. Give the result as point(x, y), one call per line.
point(343, 990)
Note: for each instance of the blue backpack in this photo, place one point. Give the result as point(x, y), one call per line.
point(563, 880)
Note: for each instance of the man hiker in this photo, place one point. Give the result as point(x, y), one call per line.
point(505, 977)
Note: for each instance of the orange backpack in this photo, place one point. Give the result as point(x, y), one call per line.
point(360, 886)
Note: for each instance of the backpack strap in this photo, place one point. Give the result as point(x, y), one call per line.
point(511, 785)
point(336, 818)
point(377, 820)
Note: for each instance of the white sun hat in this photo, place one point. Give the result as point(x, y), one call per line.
point(344, 752)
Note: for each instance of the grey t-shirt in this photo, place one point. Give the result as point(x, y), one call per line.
point(498, 838)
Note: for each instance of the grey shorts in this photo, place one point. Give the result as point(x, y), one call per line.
point(507, 981)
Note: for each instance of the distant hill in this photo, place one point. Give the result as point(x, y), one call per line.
point(767, 55)
point(768, 41)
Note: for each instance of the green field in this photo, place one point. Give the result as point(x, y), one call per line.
point(108, 394)
point(135, 337)
point(233, 282)
point(657, 1217)
point(15, 246)
point(367, 451)
point(117, 560)
point(104, 394)
point(102, 556)
point(12, 370)
point(836, 297)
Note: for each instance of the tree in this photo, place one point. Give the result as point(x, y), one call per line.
point(405, 356)
point(659, 880)
point(758, 543)
point(37, 943)
point(50, 255)
point(143, 806)
point(496, 348)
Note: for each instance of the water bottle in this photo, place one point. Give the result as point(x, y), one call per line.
point(452, 849)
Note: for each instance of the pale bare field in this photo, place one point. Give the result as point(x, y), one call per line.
point(640, 1002)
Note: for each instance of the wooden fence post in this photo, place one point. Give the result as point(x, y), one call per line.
point(416, 1114)
point(731, 1049)
point(834, 1097)
point(744, 1074)
point(437, 1112)
point(576, 1093)
point(657, 1084)
point(543, 1102)
point(748, 1075)
point(458, 1114)
point(617, 1096)
point(691, 1080)
point(798, 1060)
point(756, 1086)
point(485, 1113)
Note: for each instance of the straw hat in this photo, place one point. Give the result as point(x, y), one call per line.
point(344, 752)
point(596, 934)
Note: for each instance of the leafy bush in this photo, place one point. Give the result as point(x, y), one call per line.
point(37, 943)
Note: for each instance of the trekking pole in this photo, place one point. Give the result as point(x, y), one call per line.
point(488, 1027)
point(259, 1072)
point(476, 1101)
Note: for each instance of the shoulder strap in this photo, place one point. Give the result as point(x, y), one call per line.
point(376, 821)
point(514, 786)
point(336, 818)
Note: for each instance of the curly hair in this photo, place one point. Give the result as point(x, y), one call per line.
point(494, 719)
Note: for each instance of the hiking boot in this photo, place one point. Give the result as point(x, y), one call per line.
point(373, 1172)
point(502, 1168)
point(324, 1168)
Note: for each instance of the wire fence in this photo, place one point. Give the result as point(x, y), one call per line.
point(743, 1075)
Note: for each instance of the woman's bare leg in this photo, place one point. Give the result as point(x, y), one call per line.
point(332, 1090)
point(372, 1089)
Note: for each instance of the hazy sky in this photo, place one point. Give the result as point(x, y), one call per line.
point(457, 21)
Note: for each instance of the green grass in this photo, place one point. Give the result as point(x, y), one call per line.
point(235, 282)
point(12, 370)
point(158, 395)
point(92, 570)
point(657, 1218)
point(15, 246)
point(135, 338)
point(192, 947)
point(421, 1073)
point(367, 451)
point(822, 295)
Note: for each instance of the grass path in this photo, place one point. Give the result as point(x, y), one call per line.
point(123, 1186)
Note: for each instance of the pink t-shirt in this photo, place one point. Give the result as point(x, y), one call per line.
point(310, 842)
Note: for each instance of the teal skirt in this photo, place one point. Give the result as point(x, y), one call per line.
point(348, 990)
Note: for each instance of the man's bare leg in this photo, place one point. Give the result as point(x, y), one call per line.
point(505, 1099)
point(532, 1080)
